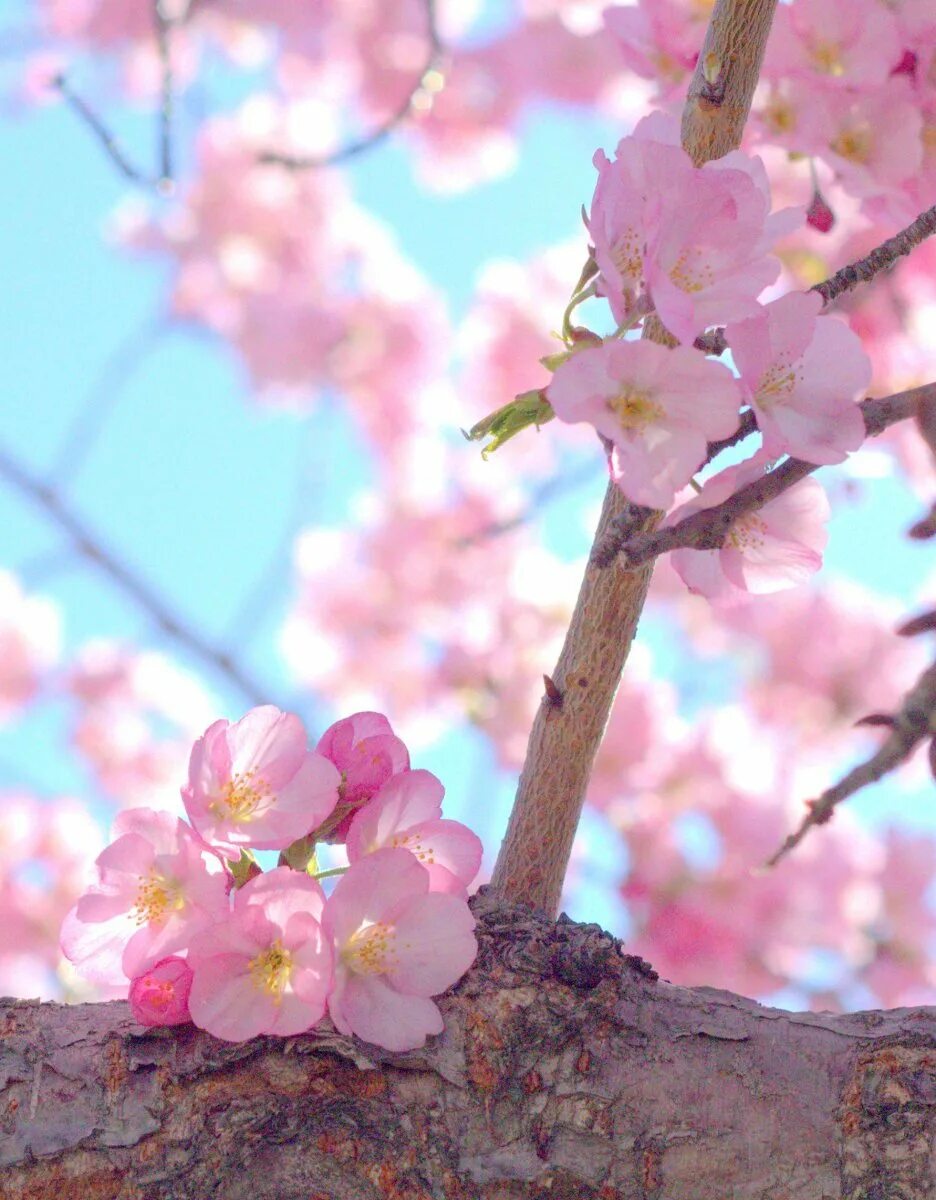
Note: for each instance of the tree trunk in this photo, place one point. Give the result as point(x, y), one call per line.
point(567, 1071)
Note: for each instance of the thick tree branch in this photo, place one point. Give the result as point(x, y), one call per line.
point(862, 271)
point(565, 737)
point(708, 528)
point(915, 721)
point(567, 1071)
point(88, 545)
point(380, 132)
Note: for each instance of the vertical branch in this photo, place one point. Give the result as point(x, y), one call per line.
point(567, 730)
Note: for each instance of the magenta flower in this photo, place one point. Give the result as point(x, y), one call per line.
point(407, 814)
point(802, 373)
point(257, 784)
point(695, 240)
point(396, 945)
point(658, 406)
point(367, 753)
point(160, 995)
point(158, 886)
point(268, 968)
point(777, 547)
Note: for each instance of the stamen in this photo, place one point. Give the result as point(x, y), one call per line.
point(272, 970)
point(372, 950)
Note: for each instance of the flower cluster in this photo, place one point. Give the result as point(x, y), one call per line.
point(695, 263)
point(183, 913)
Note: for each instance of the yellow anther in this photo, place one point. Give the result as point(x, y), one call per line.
point(271, 970)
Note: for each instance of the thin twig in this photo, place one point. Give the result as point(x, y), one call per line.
point(380, 132)
point(166, 97)
point(89, 546)
point(862, 271)
point(162, 180)
point(104, 136)
point(915, 721)
point(708, 528)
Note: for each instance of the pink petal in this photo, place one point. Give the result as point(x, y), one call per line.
point(434, 945)
point(366, 1006)
point(372, 891)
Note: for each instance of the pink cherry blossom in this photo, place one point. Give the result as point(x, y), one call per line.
point(158, 885)
point(658, 406)
point(836, 43)
point(256, 783)
point(776, 547)
point(657, 40)
point(695, 239)
point(160, 995)
point(367, 753)
point(407, 813)
point(396, 945)
point(802, 374)
point(267, 968)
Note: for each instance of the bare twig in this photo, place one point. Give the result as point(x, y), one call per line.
point(380, 132)
point(915, 721)
point(104, 136)
point(880, 258)
point(708, 528)
point(161, 180)
point(166, 97)
point(89, 546)
point(862, 271)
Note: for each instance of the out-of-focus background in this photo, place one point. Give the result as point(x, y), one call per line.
point(231, 467)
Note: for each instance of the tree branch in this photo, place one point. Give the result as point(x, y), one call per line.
point(162, 180)
point(87, 544)
point(915, 721)
point(708, 528)
point(862, 271)
point(565, 737)
point(351, 149)
point(567, 1071)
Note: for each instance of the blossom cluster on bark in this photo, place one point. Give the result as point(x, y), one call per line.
point(183, 916)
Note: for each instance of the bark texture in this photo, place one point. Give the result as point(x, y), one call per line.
point(567, 1071)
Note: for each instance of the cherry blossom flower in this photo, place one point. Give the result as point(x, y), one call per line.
point(267, 968)
point(658, 406)
point(396, 945)
point(407, 813)
point(366, 751)
point(776, 547)
point(256, 783)
point(160, 995)
point(158, 886)
point(802, 373)
point(835, 43)
point(696, 240)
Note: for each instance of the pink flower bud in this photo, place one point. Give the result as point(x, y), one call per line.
point(160, 995)
point(819, 215)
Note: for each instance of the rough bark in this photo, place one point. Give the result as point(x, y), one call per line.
point(567, 1070)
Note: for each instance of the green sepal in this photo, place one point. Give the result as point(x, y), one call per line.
point(245, 869)
point(529, 408)
point(300, 855)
